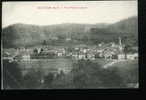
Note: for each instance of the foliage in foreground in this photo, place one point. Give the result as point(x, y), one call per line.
point(85, 74)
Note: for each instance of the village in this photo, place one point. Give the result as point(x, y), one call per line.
point(108, 51)
point(60, 60)
point(47, 49)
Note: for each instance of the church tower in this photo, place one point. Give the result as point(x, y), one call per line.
point(120, 44)
point(120, 41)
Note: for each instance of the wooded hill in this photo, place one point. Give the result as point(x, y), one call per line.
point(19, 34)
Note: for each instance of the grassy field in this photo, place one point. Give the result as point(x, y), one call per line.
point(128, 70)
point(102, 61)
point(47, 65)
point(84, 74)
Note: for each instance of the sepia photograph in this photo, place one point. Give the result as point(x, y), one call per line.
point(69, 45)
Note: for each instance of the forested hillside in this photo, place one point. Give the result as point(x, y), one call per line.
point(19, 34)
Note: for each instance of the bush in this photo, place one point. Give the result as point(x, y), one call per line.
point(12, 76)
point(111, 78)
point(48, 80)
point(87, 74)
point(32, 79)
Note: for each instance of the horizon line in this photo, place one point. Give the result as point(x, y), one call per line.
point(106, 23)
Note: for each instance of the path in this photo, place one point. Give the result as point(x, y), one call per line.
point(112, 63)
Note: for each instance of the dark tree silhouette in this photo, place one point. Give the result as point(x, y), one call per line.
point(32, 80)
point(91, 75)
point(12, 76)
point(35, 51)
point(48, 80)
point(44, 42)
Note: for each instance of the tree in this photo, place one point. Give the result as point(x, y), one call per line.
point(35, 51)
point(84, 74)
point(12, 76)
point(110, 78)
point(32, 79)
point(44, 42)
point(48, 80)
point(87, 74)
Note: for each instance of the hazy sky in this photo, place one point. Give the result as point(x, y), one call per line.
point(43, 13)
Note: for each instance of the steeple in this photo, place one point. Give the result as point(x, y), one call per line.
point(120, 41)
point(120, 44)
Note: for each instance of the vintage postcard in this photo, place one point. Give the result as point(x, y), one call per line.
point(70, 45)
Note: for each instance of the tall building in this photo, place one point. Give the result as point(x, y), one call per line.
point(120, 44)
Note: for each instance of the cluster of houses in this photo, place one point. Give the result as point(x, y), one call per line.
point(102, 50)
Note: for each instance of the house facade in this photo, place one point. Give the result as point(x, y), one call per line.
point(132, 56)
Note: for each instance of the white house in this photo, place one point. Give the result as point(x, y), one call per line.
point(76, 48)
point(54, 38)
point(26, 57)
point(84, 50)
point(81, 56)
point(121, 56)
point(59, 54)
point(100, 52)
point(132, 56)
point(89, 55)
point(113, 44)
point(68, 39)
point(74, 55)
point(39, 50)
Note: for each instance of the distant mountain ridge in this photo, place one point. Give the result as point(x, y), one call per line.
point(129, 25)
point(24, 34)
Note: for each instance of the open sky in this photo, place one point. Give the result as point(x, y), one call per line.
point(48, 13)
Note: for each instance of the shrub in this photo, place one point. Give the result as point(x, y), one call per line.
point(12, 76)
